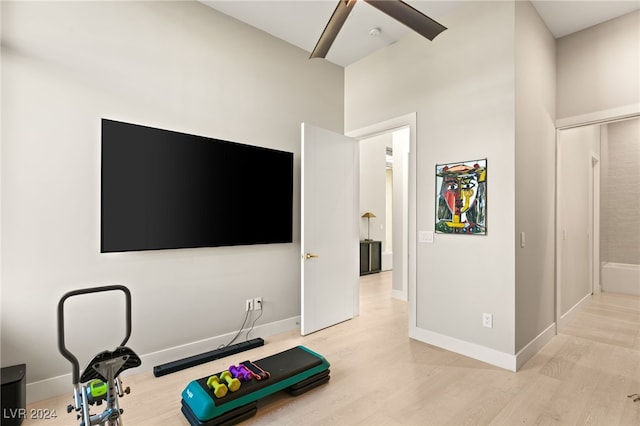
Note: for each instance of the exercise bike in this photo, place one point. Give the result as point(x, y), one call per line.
point(100, 378)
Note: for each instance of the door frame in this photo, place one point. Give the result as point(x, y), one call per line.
point(409, 254)
point(594, 220)
point(599, 117)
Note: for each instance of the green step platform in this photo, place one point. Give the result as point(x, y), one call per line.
point(296, 370)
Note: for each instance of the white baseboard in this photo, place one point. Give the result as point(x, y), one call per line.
point(55, 386)
point(48, 388)
point(484, 354)
point(621, 278)
point(399, 295)
point(534, 346)
point(629, 288)
point(387, 261)
point(472, 350)
point(569, 314)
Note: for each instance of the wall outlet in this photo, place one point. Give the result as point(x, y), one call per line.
point(487, 320)
point(257, 303)
point(249, 305)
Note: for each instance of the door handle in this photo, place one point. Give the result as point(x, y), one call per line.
point(310, 256)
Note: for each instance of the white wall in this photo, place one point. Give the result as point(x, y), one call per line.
point(372, 186)
point(461, 86)
point(391, 212)
point(534, 176)
point(175, 65)
point(599, 68)
point(400, 216)
point(388, 208)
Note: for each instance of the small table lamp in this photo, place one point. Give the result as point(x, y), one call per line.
point(368, 215)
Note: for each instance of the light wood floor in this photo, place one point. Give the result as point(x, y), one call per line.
point(381, 377)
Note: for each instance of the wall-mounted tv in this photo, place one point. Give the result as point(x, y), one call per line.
point(162, 189)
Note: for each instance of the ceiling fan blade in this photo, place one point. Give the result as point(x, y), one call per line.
point(333, 28)
point(409, 16)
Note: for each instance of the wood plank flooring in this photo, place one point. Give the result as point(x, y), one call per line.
point(381, 377)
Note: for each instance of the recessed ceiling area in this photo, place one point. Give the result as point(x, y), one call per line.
point(301, 22)
point(567, 17)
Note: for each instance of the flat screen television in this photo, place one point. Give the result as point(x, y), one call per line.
point(162, 189)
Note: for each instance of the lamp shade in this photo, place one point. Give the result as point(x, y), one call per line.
point(368, 215)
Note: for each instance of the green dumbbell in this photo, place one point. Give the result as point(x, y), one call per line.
point(232, 383)
point(219, 389)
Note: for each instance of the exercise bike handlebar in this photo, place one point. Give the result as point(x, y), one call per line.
point(61, 344)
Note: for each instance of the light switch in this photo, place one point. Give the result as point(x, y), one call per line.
point(425, 237)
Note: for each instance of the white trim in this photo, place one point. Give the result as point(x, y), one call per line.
point(48, 388)
point(558, 232)
point(55, 386)
point(564, 319)
point(399, 295)
point(621, 278)
point(383, 126)
point(472, 350)
point(599, 116)
point(532, 348)
point(594, 220)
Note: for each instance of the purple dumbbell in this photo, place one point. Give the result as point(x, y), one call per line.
point(240, 372)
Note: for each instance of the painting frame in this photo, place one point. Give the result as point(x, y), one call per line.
point(461, 197)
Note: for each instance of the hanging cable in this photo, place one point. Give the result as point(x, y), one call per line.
point(254, 323)
point(246, 316)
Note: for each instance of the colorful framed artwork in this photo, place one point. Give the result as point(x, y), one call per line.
point(461, 198)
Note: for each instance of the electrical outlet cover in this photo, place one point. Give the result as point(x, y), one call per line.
point(257, 303)
point(487, 320)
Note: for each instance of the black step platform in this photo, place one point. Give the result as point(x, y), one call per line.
point(296, 370)
point(232, 417)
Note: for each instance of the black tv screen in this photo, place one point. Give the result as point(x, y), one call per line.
point(162, 189)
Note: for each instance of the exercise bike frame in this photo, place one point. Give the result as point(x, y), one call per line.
point(81, 402)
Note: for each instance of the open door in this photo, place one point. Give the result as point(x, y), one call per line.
point(329, 231)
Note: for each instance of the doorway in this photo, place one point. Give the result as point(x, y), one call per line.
point(383, 200)
point(403, 215)
point(592, 191)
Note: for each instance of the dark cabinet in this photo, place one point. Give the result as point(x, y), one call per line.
point(370, 257)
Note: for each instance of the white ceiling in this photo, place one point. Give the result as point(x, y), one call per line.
point(300, 22)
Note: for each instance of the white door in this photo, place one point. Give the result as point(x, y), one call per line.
point(330, 228)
